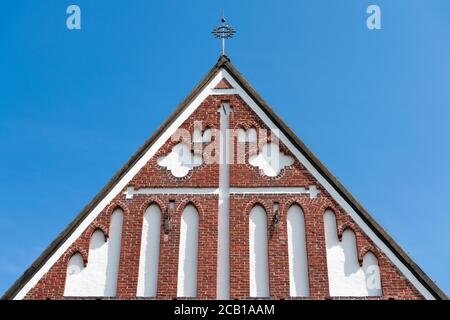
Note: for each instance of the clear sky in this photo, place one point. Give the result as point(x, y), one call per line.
point(373, 105)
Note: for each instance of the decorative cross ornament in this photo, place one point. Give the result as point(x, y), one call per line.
point(223, 32)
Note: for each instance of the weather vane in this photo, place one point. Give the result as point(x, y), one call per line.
point(224, 32)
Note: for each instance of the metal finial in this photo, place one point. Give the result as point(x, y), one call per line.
point(223, 32)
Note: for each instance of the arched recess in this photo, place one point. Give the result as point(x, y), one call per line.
point(251, 135)
point(99, 277)
point(149, 253)
point(258, 251)
point(345, 275)
point(73, 274)
point(242, 135)
point(188, 253)
point(298, 261)
point(372, 275)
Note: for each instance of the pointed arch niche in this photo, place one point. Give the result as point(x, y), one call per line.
point(258, 251)
point(99, 277)
point(345, 275)
point(149, 254)
point(188, 253)
point(298, 261)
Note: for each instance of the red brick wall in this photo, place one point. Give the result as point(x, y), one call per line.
point(394, 284)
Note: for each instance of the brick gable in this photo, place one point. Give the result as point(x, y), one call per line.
point(242, 175)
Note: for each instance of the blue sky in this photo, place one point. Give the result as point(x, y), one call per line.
point(374, 106)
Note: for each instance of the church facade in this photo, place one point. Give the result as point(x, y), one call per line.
point(224, 201)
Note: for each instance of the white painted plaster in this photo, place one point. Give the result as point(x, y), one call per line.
point(247, 136)
point(259, 258)
point(89, 280)
point(149, 254)
point(372, 275)
point(188, 253)
point(346, 277)
point(180, 160)
point(311, 191)
point(223, 244)
point(208, 90)
point(99, 277)
point(251, 135)
point(242, 135)
point(115, 239)
point(73, 275)
point(207, 136)
point(197, 136)
point(298, 260)
point(270, 160)
point(223, 91)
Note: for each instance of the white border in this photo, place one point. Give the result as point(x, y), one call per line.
point(208, 90)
